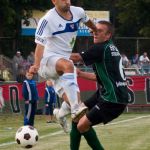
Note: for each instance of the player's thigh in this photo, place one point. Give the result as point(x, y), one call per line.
point(104, 112)
point(47, 68)
point(84, 124)
point(64, 66)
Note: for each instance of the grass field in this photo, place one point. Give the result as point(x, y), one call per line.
point(128, 132)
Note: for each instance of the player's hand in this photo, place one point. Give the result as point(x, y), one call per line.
point(34, 69)
point(78, 71)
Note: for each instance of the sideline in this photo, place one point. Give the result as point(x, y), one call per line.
point(61, 131)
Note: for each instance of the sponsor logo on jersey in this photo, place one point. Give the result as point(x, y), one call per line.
point(60, 26)
point(121, 84)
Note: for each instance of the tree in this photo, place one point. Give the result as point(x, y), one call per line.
point(134, 17)
point(11, 13)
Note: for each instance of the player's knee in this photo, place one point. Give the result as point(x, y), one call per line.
point(64, 66)
point(69, 67)
point(82, 127)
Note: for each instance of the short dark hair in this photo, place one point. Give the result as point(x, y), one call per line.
point(109, 25)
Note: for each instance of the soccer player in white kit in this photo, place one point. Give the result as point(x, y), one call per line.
point(55, 37)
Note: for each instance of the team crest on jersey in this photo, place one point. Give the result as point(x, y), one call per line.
point(72, 26)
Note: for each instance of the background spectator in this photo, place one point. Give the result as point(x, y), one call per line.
point(30, 58)
point(50, 101)
point(135, 59)
point(30, 62)
point(30, 95)
point(144, 62)
point(125, 61)
point(17, 64)
point(135, 63)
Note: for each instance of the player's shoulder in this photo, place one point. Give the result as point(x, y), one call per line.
point(76, 9)
point(49, 14)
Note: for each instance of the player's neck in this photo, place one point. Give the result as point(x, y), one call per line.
point(65, 14)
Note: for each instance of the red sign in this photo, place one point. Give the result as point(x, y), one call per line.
point(136, 83)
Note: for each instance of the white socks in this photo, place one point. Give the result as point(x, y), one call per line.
point(70, 87)
point(64, 109)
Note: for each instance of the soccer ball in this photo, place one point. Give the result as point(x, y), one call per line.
point(27, 136)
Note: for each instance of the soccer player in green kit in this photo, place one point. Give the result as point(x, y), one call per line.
point(111, 98)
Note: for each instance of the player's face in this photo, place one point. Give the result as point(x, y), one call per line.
point(29, 75)
point(102, 35)
point(63, 5)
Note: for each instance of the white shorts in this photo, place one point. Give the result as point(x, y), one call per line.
point(47, 68)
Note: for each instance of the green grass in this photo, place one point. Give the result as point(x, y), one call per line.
point(128, 132)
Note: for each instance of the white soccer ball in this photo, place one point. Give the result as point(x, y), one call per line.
point(27, 136)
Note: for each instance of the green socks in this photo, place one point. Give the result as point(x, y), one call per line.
point(75, 137)
point(90, 136)
point(92, 139)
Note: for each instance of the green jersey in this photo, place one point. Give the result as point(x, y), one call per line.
point(107, 64)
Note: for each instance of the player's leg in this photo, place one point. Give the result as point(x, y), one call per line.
point(33, 111)
point(55, 67)
point(51, 108)
point(92, 139)
point(61, 120)
point(26, 115)
point(75, 137)
point(104, 112)
point(47, 112)
point(64, 110)
point(69, 84)
point(90, 136)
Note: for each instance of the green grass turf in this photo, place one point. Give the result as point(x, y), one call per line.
point(128, 132)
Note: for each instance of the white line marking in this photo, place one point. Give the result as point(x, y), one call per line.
point(41, 137)
point(60, 132)
point(122, 121)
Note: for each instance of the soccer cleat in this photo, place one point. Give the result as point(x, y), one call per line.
point(62, 121)
point(79, 113)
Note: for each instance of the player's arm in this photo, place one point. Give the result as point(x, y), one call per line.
point(86, 75)
point(41, 35)
point(38, 56)
point(76, 57)
point(91, 25)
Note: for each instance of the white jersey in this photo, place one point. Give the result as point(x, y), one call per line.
point(57, 34)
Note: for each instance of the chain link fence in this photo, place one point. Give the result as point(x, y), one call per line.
point(127, 45)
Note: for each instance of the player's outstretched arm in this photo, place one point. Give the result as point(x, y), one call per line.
point(76, 57)
point(38, 56)
point(91, 25)
point(86, 75)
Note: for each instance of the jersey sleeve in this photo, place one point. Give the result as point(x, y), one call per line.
point(42, 31)
point(93, 55)
point(83, 15)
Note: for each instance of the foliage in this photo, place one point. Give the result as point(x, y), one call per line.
point(130, 17)
point(134, 17)
point(11, 13)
